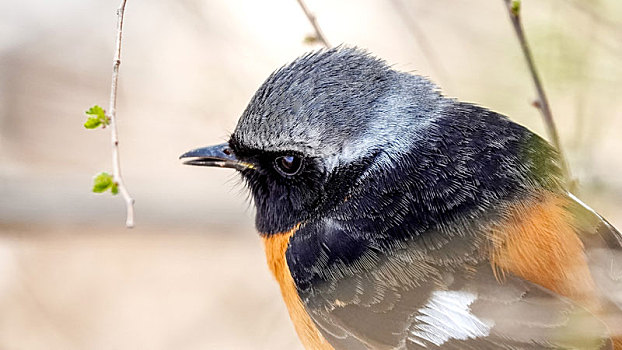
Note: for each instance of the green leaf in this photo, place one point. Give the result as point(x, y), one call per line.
point(102, 182)
point(97, 117)
point(515, 7)
point(92, 123)
point(97, 111)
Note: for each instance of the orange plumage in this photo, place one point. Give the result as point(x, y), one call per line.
point(275, 247)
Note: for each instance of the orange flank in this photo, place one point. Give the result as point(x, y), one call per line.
point(539, 243)
point(275, 246)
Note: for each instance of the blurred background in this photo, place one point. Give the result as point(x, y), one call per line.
point(191, 275)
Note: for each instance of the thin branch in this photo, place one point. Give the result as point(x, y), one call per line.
point(513, 7)
point(112, 110)
point(421, 39)
point(311, 17)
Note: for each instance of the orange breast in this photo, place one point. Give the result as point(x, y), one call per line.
point(275, 246)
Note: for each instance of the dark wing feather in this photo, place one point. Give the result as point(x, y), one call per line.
point(408, 302)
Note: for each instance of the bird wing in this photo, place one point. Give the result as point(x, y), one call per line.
point(603, 248)
point(360, 297)
point(478, 313)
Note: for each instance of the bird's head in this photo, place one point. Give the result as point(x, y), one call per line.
point(314, 127)
point(339, 125)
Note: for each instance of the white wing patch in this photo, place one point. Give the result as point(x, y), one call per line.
point(447, 315)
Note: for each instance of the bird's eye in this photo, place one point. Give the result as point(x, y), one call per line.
point(288, 165)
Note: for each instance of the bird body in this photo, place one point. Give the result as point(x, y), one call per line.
point(396, 218)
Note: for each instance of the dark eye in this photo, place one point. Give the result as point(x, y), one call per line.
point(288, 165)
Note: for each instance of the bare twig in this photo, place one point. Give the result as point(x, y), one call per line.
point(422, 40)
point(112, 110)
point(311, 17)
point(513, 7)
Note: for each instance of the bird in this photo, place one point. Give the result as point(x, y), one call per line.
point(394, 217)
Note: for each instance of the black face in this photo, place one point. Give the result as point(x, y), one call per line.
point(287, 186)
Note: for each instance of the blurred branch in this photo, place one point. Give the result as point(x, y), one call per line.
point(611, 41)
point(421, 39)
point(319, 35)
point(112, 109)
point(514, 8)
point(596, 17)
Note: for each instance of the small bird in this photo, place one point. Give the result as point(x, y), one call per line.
point(394, 217)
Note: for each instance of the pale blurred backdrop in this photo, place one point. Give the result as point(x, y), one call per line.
point(191, 275)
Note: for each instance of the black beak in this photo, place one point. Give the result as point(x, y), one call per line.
point(219, 155)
